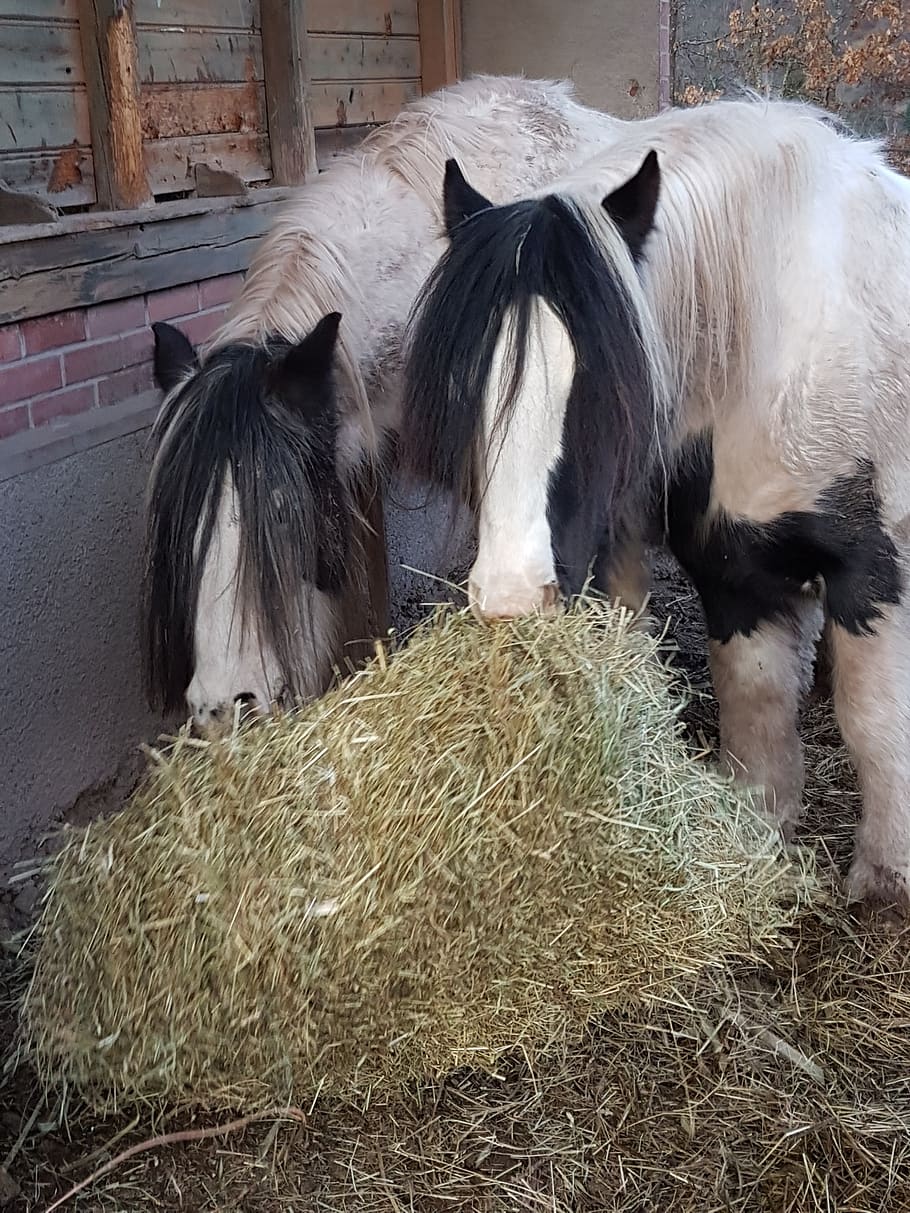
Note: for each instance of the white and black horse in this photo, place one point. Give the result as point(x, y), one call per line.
point(708, 327)
point(255, 569)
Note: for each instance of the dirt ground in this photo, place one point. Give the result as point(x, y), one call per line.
point(283, 1165)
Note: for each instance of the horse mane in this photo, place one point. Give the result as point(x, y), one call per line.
point(502, 264)
point(300, 272)
point(221, 432)
point(735, 176)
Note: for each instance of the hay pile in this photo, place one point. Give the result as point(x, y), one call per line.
point(468, 849)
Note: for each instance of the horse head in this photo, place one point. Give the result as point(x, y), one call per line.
point(248, 525)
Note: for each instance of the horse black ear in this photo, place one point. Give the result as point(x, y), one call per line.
point(307, 362)
point(632, 207)
point(174, 356)
point(460, 200)
point(313, 356)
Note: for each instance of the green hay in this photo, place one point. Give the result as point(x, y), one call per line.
point(468, 849)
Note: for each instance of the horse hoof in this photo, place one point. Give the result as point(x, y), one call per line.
point(881, 891)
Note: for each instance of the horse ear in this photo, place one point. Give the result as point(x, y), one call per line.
point(308, 361)
point(632, 207)
point(315, 353)
point(460, 200)
point(174, 356)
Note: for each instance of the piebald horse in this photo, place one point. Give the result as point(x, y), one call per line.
point(705, 329)
point(255, 572)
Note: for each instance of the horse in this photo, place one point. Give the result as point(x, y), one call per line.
point(268, 445)
point(701, 335)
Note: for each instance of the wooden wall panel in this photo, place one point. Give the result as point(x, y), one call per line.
point(171, 162)
point(35, 52)
point(341, 57)
point(341, 104)
point(362, 17)
point(170, 112)
point(45, 137)
point(169, 56)
point(365, 62)
point(202, 96)
point(218, 14)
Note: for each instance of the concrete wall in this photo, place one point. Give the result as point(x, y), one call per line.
point(610, 48)
point(71, 705)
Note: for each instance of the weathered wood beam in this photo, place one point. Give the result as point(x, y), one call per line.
point(440, 43)
point(112, 75)
point(284, 60)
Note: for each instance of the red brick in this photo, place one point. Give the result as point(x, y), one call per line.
point(219, 290)
point(13, 421)
point(131, 382)
point(10, 343)
point(179, 301)
point(51, 332)
point(97, 358)
point(200, 327)
point(63, 404)
point(22, 380)
point(121, 316)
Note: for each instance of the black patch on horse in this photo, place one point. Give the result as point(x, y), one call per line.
point(748, 572)
point(501, 261)
point(267, 413)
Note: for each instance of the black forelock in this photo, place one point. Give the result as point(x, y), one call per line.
point(294, 513)
point(505, 258)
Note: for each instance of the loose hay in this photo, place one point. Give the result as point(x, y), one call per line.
point(468, 849)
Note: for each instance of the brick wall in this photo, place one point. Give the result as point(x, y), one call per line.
point(54, 367)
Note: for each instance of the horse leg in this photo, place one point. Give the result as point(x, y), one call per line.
point(760, 681)
point(872, 701)
point(624, 575)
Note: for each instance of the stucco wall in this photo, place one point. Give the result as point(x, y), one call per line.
point(608, 47)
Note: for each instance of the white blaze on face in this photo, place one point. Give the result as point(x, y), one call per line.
point(229, 664)
point(514, 573)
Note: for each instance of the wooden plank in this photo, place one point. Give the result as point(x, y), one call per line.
point(337, 57)
point(40, 10)
point(221, 226)
point(164, 212)
point(173, 111)
point(225, 14)
point(362, 17)
point(42, 118)
point(199, 56)
point(440, 42)
point(66, 175)
point(79, 286)
point(32, 52)
point(171, 162)
point(285, 55)
point(111, 69)
point(53, 273)
point(341, 104)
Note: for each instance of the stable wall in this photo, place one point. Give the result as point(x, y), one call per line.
point(609, 48)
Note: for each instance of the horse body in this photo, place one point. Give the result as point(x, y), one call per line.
point(754, 364)
point(229, 614)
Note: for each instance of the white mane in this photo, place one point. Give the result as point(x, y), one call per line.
point(735, 222)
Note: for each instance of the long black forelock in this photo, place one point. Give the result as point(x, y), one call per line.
point(503, 259)
point(295, 516)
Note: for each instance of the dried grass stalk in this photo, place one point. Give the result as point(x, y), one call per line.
point(468, 849)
